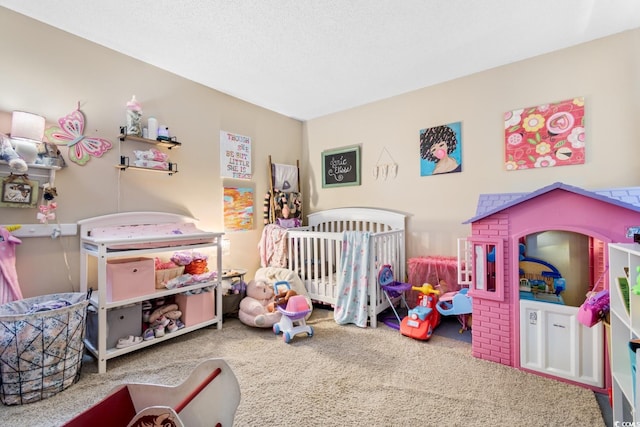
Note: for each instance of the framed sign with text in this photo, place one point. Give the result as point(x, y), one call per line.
point(341, 167)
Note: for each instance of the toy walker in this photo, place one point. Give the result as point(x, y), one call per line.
point(293, 320)
point(423, 318)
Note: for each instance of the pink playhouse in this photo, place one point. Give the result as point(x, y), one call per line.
point(533, 257)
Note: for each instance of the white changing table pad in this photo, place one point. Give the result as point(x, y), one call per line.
point(142, 230)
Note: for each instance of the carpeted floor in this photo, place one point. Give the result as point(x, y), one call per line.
point(342, 376)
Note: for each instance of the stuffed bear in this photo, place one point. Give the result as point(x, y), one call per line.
point(254, 309)
point(9, 155)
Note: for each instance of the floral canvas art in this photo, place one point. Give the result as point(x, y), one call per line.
point(545, 136)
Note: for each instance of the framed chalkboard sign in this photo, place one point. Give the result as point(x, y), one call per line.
point(341, 167)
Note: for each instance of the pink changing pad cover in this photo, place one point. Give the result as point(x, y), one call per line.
point(192, 235)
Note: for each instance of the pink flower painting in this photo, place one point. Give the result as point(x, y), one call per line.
point(545, 136)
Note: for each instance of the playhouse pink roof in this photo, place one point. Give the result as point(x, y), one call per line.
point(489, 204)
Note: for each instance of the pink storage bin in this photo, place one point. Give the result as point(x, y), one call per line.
point(130, 278)
point(196, 308)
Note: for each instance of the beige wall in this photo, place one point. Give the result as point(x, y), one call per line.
point(48, 72)
point(606, 72)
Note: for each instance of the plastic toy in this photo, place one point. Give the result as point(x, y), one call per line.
point(392, 290)
point(457, 304)
point(209, 396)
point(293, 320)
point(424, 318)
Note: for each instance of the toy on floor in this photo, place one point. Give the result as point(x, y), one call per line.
point(284, 292)
point(209, 396)
point(254, 307)
point(293, 320)
point(423, 318)
point(392, 290)
point(458, 304)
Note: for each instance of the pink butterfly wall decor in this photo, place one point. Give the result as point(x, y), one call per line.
point(70, 132)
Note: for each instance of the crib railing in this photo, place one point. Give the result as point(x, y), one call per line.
point(316, 257)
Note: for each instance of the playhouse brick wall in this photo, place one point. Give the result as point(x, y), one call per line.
point(492, 326)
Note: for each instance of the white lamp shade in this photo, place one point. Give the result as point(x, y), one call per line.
point(27, 125)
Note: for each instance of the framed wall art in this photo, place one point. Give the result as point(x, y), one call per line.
point(238, 208)
point(441, 149)
point(341, 167)
point(545, 136)
point(18, 191)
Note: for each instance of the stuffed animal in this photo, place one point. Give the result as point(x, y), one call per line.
point(254, 308)
point(9, 155)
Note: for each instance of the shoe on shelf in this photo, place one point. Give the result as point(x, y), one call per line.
point(145, 315)
point(146, 305)
point(162, 321)
point(128, 341)
point(158, 331)
point(148, 334)
point(172, 327)
point(179, 323)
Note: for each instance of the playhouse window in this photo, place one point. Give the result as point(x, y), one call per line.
point(488, 259)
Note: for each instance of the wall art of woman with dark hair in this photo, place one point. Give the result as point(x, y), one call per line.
point(436, 145)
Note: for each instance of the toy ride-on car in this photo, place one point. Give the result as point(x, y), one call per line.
point(423, 318)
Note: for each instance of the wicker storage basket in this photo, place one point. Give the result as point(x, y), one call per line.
point(163, 276)
point(41, 351)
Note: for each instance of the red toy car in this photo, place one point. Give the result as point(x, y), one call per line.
point(423, 318)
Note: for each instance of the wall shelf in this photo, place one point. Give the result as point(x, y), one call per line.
point(169, 143)
point(37, 172)
point(124, 165)
point(44, 230)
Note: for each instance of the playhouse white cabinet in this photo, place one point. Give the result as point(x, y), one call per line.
point(97, 252)
point(553, 342)
point(624, 260)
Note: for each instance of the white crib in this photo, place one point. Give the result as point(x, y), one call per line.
point(315, 251)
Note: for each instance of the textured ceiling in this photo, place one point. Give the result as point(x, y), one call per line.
point(306, 59)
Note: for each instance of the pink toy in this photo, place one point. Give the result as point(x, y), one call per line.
point(9, 286)
point(293, 320)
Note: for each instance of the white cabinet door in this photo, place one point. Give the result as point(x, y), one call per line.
point(553, 342)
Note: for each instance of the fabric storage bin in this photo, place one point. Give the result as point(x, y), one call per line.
point(41, 346)
point(121, 322)
point(196, 308)
point(130, 278)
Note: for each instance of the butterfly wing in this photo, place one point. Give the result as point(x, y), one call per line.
point(81, 151)
point(70, 133)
